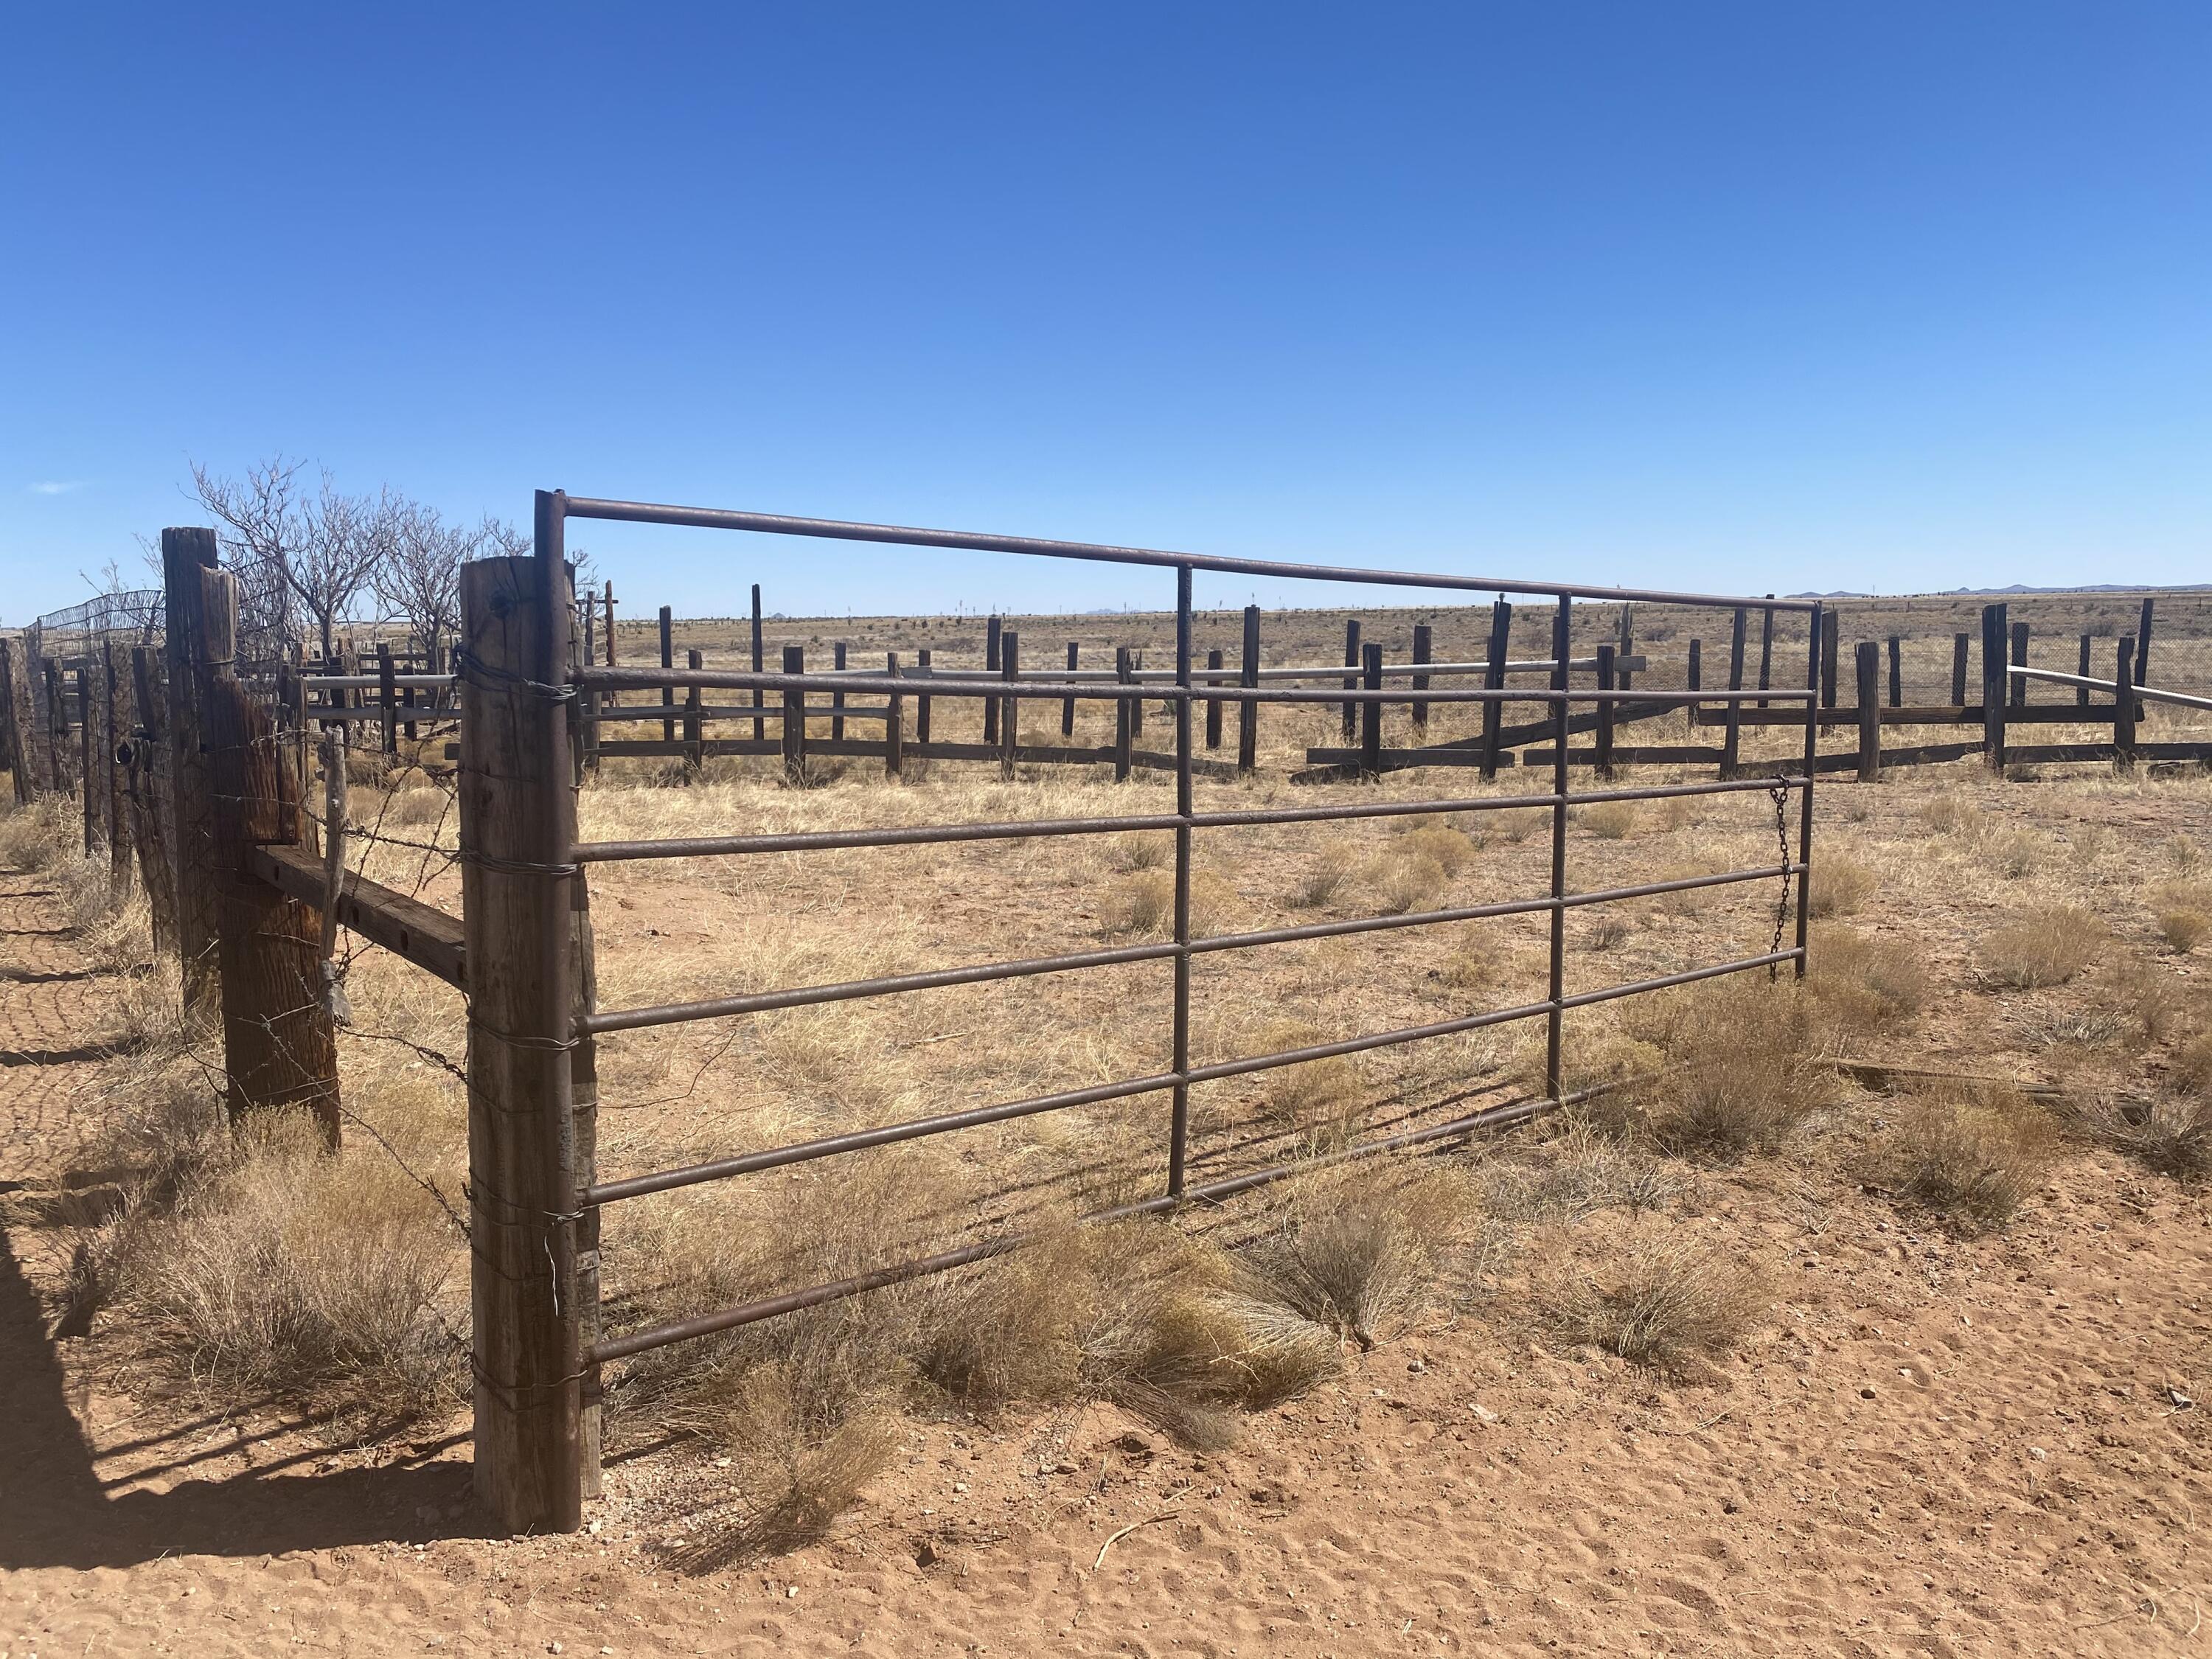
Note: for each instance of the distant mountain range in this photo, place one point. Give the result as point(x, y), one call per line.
point(2017, 587)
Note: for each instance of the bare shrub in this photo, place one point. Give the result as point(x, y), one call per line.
point(2192, 1065)
point(1838, 886)
point(1610, 927)
point(1738, 1076)
point(1332, 864)
point(1669, 1301)
point(2017, 853)
point(1973, 1159)
point(1360, 1249)
point(2041, 948)
point(1609, 820)
point(2185, 857)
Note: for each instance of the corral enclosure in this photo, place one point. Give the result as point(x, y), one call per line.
point(1215, 977)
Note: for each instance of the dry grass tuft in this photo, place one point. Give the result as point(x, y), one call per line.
point(1575, 1173)
point(2173, 1134)
point(2183, 930)
point(1139, 849)
point(2184, 855)
point(1359, 1249)
point(1863, 985)
point(1669, 1302)
point(2041, 948)
point(1319, 1098)
point(1408, 883)
point(1739, 1073)
point(1609, 929)
point(1144, 905)
point(38, 836)
point(1974, 1159)
point(1508, 825)
point(2192, 1065)
point(2017, 854)
point(1953, 814)
point(1449, 850)
point(1609, 820)
point(1839, 886)
point(1334, 861)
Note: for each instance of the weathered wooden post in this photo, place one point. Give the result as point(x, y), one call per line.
point(1370, 719)
point(1125, 715)
point(2143, 644)
point(759, 693)
point(1765, 649)
point(1831, 625)
point(1957, 671)
point(1627, 640)
point(1247, 712)
point(894, 724)
point(1993, 686)
point(1606, 660)
point(1869, 678)
point(1493, 679)
point(280, 1047)
point(1009, 669)
point(694, 727)
point(1213, 704)
point(2018, 687)
point(838, 698)
point(185, 553)
point(668, 687)
point(992, 627)
point(18, 746)
point(155, 869)
point(1896, 672)
point(1732, 730)
point(518, 807)
point(1693, 676)
point(921, 700)
point(1423, 648)
point(2081, 692)
point(387, 698)
point(1351, 680)
point(794, 718)
point(2124, 706)
point(88, 771)
point(110, 769)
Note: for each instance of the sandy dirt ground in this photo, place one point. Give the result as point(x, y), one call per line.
point(1938, 1447)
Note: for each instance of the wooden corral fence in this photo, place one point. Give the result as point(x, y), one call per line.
point(253, 899)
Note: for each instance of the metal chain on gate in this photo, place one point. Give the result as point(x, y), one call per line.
point(1780, 793)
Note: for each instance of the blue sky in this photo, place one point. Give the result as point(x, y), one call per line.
point(1745, 297)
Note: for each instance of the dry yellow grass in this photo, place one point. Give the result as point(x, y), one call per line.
point(1972, 1158)
point(1609, 820)
point(1840, 885)
point(1667, 1300)
point(2041, 948)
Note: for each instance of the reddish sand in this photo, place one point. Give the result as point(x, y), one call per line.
point(1939, 1448)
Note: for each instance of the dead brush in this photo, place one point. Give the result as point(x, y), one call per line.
point(2183, 930)
point(1361, 1249)
point(1320, 1099)
point(1668, 1300)
point(1508, 826)
point(2017, 854)
point(2192, 1065)
point(1838, 886)
point(1136, 849)
point(2041, 948)
point(1739, 1073)
point(1143, 905)
point(1973, 1158)
point(1689, 900)
point(1407, 882)
point(36, 836)
point(1577, 1171)
point(1449, 849)
point(1953, 814)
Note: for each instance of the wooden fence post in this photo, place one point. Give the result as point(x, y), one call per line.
point(1765, 649)
point(1993, 686)
point(88, 773)
point(1493, 679)
point(1732, 729)
point(760, 726)
point(794, 719)
point(694, 729)
point(2018, 687)
point(518, 807)
point(1370, 720)
point(1351, 680)
point(894, 724)
point(1832, 624)
point(1694, 674)
point(1896, 672)
point(1136, 704)
point(2123, 707)
point(2143, 645)
point(2081, 692)
point(1247, 676)
point(921, 700)
point(1627, 640)
point(1605, 711)
point(19, 747)
point(185, 553)
point(1957, 671)
point(668, 687)
point(838, 698)
point(1067, 704)
point(111, 771)
point(1422, 648)
point(58, 755)
point(1212, 704)
point(1869, 678)
point(1009, 660)
point(992, 627)
point(387, 697)
point(279, 1045)
point(1125, 715)
point(155, 868)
